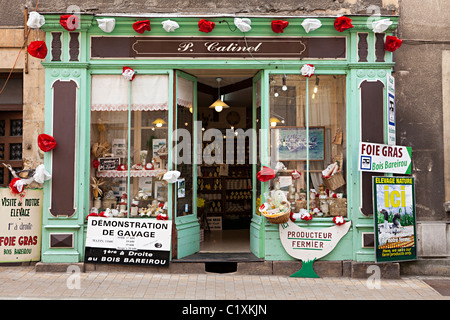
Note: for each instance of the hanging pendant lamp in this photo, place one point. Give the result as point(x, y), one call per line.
point(219, 105)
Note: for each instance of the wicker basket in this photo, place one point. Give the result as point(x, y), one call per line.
point(278, 218)
point(338, 207)
point(334, 182)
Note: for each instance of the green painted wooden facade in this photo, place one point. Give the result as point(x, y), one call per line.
point(264, 240)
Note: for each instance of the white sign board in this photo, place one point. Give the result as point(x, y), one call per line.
point(376, 157)
point(128, 241)
point(391, 110)
point(20, 225)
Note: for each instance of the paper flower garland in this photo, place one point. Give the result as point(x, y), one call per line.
point(69, 22)
point(311, 24)
point(265, 174)
point(243, 24)
point(46, 142)
point(37, 49)
point(41, 175)
point(206, 26)
point(171, 176)
point(107, 24)
point(307, 70)
point(14, 187)
point(381, 25)
point(170, 25)
point(342, 23)
point(306, 216)
point(35, 20)
point(339, 220)
point(279, 25)
point(141, 26)
point(392, 43)
point(128, 73)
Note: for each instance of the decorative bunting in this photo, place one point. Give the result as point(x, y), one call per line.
point(170, 25)
point(392, 43)
point(311, 24)
point(37, 49)
point(128, 73)
point(380, 26)
point(342, 23)
point(69, 22)
point(308, 70)
point(141, 26)
point(35, 20)
point(243, 24)
point(206, 26)
point(107, 24)
point(279, 25)
point(46, 142)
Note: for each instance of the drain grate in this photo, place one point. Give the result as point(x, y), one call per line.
point(221, 267)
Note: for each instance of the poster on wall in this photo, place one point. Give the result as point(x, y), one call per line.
point(20, 226)
point(395, 219)
point(291, 143)
point(143, 242)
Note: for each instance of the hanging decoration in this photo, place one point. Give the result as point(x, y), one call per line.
point(128, 73)
point(107, 24)
point(206, 26)
point(279, 25)
point(41, 175)
point(141, 26)
point(243, 24)
point(308, 70)
point(296, 175)
point(306, 216)
point(46, 142)
point(37, 49)
point(380, 26)
point(392, 43)
point(169, 25)
point(171, 176)
point(342, 23)
point(69, 22)
point(265, 174)
point(35, 20)
point(311, 24)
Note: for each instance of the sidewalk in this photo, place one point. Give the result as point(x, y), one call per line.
point(24, 283)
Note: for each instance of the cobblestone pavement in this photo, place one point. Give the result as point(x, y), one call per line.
point(25, 283)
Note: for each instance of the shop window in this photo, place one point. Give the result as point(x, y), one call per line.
point(322, 167)
point(129, 148)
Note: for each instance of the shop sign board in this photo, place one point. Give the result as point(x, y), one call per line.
point(395, 219)
point(128, 241)
point(376, 157)
point(20, 225)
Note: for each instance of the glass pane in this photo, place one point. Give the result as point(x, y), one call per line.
point(16, 127)
point(15, 151)
point(2, 177)
point(2, 128)
point(326, 145)
point(109, 144)
point(2, 151)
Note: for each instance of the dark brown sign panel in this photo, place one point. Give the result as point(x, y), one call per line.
point(219, 47)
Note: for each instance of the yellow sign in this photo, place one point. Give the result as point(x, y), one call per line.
point(20, 225)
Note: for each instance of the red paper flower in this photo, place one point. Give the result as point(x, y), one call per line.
point(37, 49)
point(95, 163)
point(279, 25)
point(342, 24)
point(128, 73)
point(69, 22)
point(392, 43)
point(92, 214)
point(206, 26)
point(46, 142)
point(122, 167)
point(265, 174)
point(162, 216)
point(102, 214)
point(141, 26)
point(306, 216)
point(12, 186)
point(291, 215)
point(339, 220)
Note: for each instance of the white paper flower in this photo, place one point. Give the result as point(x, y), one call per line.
point(243, 24)
point(35, 20)
point(311, 24)
point(107, 24)
point(381, 25)
point(171, 176)
point(41, 175)
point(128, 73)
point(170, 25)
point(307, 70)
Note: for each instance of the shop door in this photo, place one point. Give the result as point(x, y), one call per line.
point(187, 229)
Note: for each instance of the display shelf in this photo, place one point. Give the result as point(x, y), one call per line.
point(133, 173)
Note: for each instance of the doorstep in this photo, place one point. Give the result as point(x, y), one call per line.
point(193, 265)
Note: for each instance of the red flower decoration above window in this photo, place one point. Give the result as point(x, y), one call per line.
point(206, 26)
point(46, 142)
point(279, 25)
point(392, 43)
point(265, 174)
point(69, 22)
point(37, 49)
point(141, 26)
point(342, 23)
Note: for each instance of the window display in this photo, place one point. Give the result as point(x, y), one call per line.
point(129, 151)
point(317, 162)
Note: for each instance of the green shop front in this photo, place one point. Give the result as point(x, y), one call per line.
point(197, 137)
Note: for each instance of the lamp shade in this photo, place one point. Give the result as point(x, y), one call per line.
point(219, 105)
point(159, 122)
